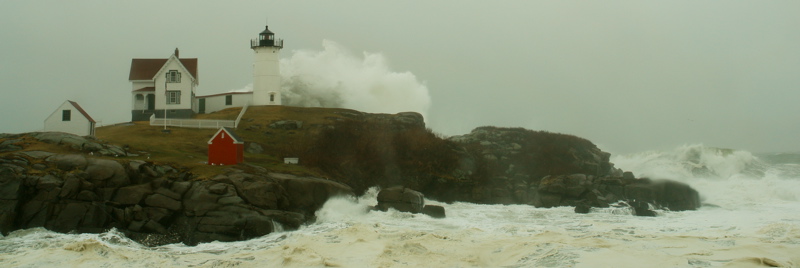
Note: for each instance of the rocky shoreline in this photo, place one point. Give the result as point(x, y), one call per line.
point(86, 191)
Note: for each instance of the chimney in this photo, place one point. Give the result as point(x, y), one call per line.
point(176, 53)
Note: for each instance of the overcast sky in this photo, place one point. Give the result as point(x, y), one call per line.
point(627, 75)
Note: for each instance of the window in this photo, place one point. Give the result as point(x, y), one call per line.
point(173, 97)
point(229, 100)
point(66, 115)
point(271, 97)
point(173, 76)
point(139, 97)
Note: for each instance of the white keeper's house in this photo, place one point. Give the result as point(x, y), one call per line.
point(169, 85)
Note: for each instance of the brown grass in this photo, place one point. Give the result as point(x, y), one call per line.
point(188, 147)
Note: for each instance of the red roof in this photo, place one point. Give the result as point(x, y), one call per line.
point(80, 109)
point(145, 69)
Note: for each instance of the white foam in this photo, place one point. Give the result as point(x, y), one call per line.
point(336, 78)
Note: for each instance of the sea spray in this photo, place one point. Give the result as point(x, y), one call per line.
point(336, 78)
point(724, 177)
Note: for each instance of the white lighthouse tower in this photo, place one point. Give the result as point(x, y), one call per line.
point(266, 73)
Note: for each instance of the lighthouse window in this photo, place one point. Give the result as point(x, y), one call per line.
point(271, 97)
point(173, 76)
point(173, 97)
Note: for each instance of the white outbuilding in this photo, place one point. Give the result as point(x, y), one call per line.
point(70, 118)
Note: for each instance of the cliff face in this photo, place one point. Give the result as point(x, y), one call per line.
point(152, 203)
point(506, 165)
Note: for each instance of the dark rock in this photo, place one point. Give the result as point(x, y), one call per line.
point(68, 162)
point(219, 188)
point(434, 211)
point(286, 124)
point(168, 193)
point(672, 195)
point(572, 185)
point(641, 208)
point(307, 193)
point(48, 182)
point(582, 208)
point(70, 216)
point(627, 175)
point(254, 148)
point(262, 192)
point(10, 145)
point(71, 187)
point(8, 215)
point(401, 199)
point(39, 166)
point(679, 196)
point(109, 172)
point(87, 195)
point(132, 195)
point(162, 201)
point(10, 184)
point(38, 154)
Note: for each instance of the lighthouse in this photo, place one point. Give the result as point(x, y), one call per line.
point(266, 73)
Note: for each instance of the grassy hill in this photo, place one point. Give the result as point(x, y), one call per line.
point(188, 147)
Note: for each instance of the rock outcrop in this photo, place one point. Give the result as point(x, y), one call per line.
point(154, 204)
point(519, 166)
point(407, 200)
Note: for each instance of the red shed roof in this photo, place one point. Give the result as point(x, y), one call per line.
point(236, 139)
point(146, 69)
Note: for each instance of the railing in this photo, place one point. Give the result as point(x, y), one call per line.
point(198, 123)
point(239, 118)
point(257, 43)
point(193, 123)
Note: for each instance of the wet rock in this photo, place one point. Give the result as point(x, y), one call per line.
point(132, 195)
point(308, 193)
point(400, 198)
point(162, 201)
point(582, 208)
point(434, 211)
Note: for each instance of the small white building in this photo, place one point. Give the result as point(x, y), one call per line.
point(70, 118)
point(216, 102)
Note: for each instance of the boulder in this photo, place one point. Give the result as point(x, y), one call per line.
point(400, 198)
point(107, 172)
point(308, 193)
point(162, 201)
point(254, 148)
point(434, 211)
point(263, 192)
point(68, 162)
point(582, 208)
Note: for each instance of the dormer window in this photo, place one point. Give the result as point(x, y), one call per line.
point(173, 76)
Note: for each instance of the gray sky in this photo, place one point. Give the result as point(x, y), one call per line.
point(627, 75)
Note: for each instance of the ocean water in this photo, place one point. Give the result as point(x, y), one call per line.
point(750, 218)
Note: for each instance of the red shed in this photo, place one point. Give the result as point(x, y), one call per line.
point(225, 148)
